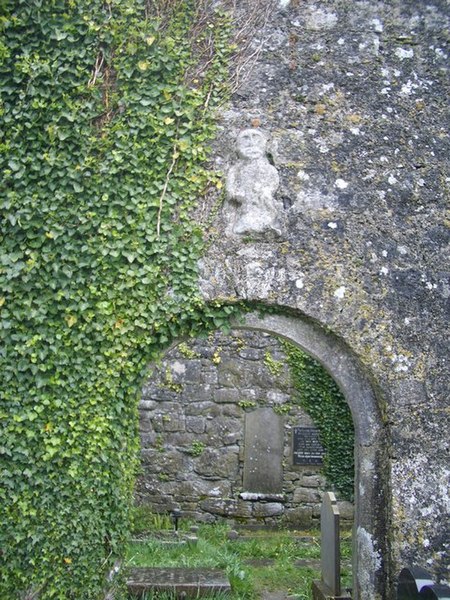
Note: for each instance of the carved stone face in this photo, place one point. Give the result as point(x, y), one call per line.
point(251, 144)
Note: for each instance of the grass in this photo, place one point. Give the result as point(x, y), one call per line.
point(256, 561)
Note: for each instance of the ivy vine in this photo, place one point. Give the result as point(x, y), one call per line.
point(320, 397)
point(106, 109)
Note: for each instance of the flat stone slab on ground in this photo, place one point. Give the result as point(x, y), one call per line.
point(184, 582)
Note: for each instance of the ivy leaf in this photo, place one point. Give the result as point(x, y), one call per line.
point(71, 320)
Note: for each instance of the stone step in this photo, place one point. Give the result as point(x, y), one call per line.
point(180, 581)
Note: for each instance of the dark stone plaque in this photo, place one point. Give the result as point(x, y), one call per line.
point(307, 449)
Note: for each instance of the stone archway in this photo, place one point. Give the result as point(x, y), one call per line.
point(371, 555)
point(371, 551)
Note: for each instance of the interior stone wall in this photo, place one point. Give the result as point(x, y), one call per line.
point(353, 97)
point(192, 423)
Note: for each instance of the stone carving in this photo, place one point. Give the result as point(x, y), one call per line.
point(251, 185)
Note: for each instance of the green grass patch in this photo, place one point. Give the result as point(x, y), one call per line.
point(265, 560)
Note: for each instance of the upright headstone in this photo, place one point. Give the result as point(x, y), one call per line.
point(330, 554)
point(435, 592)
point(410, 581)
point(263, 452)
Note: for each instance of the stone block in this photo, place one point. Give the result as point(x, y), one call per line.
point(173, 462)
point(166, 394)
point(197, 393)
point(242, 510)
point(193, 372)
point(226, 395)
point(150, 387)
point(194, 408)
point(306, 496)
point(147, 440)
point(217, 463)
point(204, 489)
point(312, 481)
point(221, 426)
point(173, 423)
point(222, 507)
point(145, 405)
point(210, 376)
point(346, 510)
point(180, 439)
point(277, 397)
point(267, 509)
point(195, 424)
point(145, 426)
point(300, 518)
point(251, 354)
point(230, 374)
point(232, 410)
point(149, 456)
point(291, 476)
point(177, 371)
point(161, 420)
point(231, 439)
point(251, 395)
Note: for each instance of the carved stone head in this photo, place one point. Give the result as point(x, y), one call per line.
point(251, 144)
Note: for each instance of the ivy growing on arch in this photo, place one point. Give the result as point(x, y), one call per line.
point(318, 394)
point(106, 110)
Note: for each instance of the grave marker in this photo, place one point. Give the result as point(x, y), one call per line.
point(263, 452)
point(410, 581)
point(330, 554)
point(306, 446)
point(179, 581)
point(435, 592)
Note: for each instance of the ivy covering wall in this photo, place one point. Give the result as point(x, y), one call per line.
point(106, 112)
point(318, 394)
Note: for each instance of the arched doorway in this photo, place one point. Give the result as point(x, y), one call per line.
point(370, 552)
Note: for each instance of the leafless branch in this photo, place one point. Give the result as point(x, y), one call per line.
point(97, 68)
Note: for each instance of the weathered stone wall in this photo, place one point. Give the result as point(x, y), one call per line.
point(192, 421)
point(354, 96)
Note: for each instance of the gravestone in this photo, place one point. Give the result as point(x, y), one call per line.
point(435, 592)
point(263, 452)
point(330, 554)
point(410, 581)
point(179, 581)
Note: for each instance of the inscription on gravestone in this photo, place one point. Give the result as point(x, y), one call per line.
point(307, 449)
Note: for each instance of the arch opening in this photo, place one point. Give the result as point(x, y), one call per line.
point(370, 556)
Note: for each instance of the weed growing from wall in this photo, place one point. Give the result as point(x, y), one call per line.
point(106, 117)
point(320, 397)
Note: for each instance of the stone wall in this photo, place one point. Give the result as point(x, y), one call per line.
point(192, 421)
point(354, 99)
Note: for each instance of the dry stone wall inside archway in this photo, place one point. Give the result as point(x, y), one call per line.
point(194, 412)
